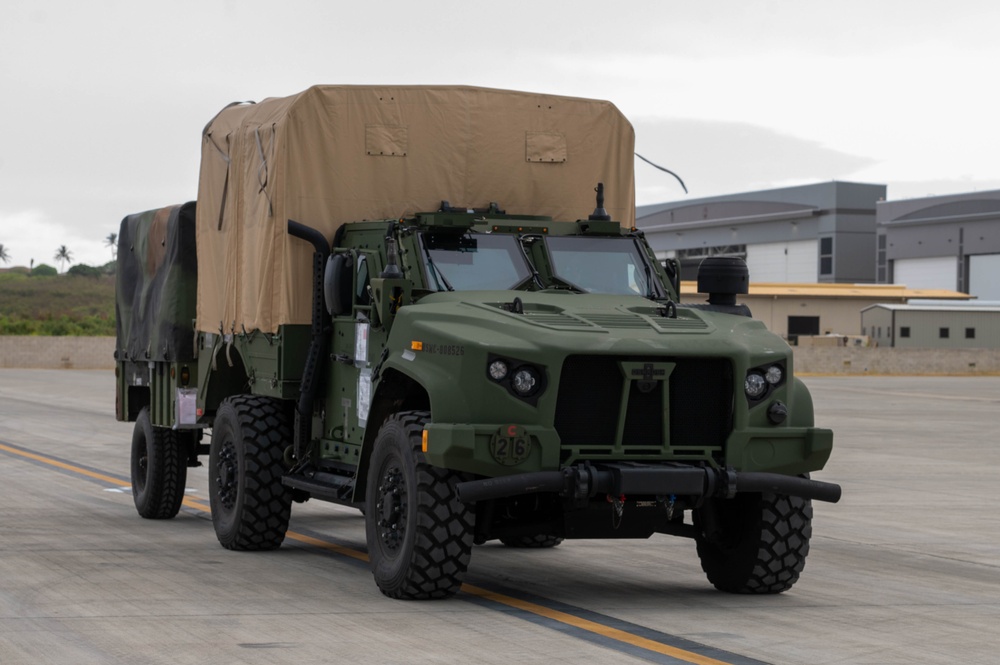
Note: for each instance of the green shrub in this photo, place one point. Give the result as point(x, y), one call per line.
point(57, 305)
point(44, 270)
point(82, 270)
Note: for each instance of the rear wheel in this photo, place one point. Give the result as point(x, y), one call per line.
point(250, 506)
point(159, 469)
point(532, 542)
point(760, 544)
point(419, 533)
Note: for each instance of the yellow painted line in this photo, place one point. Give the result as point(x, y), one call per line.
point(580, 623)
point(197, 504)
point(593, 627)
point(326, 545)
point(62, 465)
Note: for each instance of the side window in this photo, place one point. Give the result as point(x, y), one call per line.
point(826, 256)
point(904, 331)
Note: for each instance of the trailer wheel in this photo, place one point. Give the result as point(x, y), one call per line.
point(250, 506)
point(762, 544)
point(159, 469)
point(419, 533)
point(532, 542)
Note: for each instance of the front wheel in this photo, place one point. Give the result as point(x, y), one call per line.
point(759, 542)
point(159, 469)
point(250, 506)
point(419, 533)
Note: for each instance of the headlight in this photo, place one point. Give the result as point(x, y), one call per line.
point(773, 375)
point(498, 370)
point(524, 381)
point(755, 385)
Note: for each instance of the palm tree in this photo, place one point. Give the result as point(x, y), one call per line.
point(112, 242)
point(4, 254)
point(63, 255)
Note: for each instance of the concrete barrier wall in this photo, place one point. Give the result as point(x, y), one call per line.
point(33, 352)
point(98, 353)
point(882, 360)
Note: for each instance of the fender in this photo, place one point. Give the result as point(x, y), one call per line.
point(801, 407)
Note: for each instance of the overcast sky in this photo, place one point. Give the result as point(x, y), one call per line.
point(104, 101)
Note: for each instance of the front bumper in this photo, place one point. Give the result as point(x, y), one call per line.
point(617, 479)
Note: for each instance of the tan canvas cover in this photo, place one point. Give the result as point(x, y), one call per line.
point(336, 154)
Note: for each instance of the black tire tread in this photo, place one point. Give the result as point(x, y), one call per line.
point(539, 541)
point(773, 552)
point(162, 490)
point(266, 506)
point(445, 526)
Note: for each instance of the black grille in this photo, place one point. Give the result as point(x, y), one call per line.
point(701, 402)
point(590, 395)
point(644, 417)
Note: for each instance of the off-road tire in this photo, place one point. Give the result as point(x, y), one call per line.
point(419, 533)
point(540, 541)
point(159, 469)
point(250, 506)
point(763, 546)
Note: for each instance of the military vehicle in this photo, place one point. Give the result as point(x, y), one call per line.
point(410, 300)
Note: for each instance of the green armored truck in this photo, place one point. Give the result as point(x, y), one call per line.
point(431, 304)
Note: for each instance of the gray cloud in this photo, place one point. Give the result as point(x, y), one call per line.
point(725, 157)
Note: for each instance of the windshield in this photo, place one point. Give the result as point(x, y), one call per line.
point(473, 262)
point(601, 265)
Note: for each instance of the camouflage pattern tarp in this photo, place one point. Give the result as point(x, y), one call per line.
point(156, 288)
point(337, 154)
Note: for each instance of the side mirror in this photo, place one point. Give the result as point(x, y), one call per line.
point(673, 270)
point(338, 284)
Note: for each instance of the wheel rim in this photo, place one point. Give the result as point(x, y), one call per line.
point(227, 477)
point(391, 508)
point(142, 468)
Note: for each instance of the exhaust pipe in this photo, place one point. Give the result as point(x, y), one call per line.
point(318, 339)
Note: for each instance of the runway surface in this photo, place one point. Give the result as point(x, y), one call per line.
point(905, 569)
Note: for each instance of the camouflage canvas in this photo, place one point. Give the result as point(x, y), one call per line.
point(157, 284)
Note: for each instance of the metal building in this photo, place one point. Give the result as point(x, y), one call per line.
point(796, 310)
point(941, 242)
point(821, 233)
point(934, 324)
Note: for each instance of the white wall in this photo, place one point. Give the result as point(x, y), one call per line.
point(938, 272)
point(984, 276)
point(784, 261)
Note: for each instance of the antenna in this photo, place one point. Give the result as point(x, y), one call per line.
point(665, 170)
point(600, 214)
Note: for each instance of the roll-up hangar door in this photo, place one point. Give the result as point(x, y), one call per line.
point(939, 272)
point(984, 276)
point(783, 261)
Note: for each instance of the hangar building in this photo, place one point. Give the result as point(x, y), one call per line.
point(821, 233)
point(941, 242)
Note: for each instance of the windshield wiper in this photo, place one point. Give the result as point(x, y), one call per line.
point(564, 284)
point(435, 271)
point(531, 266)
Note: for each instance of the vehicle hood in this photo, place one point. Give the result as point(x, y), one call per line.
point(582, 322)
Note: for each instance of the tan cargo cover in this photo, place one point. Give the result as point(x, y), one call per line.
point(337, 154)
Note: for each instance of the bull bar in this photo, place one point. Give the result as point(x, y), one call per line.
point(586, 480)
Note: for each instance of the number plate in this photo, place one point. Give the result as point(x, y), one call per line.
point(510, 445)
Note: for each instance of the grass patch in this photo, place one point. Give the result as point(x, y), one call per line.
point(57, 305)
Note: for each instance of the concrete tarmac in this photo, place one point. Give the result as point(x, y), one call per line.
point(905, 569)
